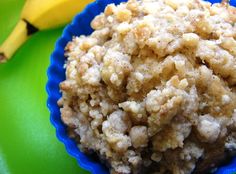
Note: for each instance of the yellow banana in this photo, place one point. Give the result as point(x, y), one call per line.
point(39, 15)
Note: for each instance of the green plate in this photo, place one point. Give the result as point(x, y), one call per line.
point(28, 144)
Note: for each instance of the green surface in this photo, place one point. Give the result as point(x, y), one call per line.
point(28, 144)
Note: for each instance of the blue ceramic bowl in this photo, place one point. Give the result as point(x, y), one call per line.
point(56, 74)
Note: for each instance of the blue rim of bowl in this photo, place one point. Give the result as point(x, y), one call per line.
point(56, 74)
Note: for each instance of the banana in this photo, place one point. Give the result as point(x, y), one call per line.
point(39, 15)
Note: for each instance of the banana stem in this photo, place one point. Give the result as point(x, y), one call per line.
point(14, 41)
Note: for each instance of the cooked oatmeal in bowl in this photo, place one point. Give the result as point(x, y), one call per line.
point(152, 89)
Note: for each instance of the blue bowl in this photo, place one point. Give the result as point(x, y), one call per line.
point(56, 74)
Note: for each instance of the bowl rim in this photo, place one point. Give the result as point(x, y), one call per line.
point(54, 93)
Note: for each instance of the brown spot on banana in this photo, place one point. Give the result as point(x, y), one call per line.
point(30, 28)
point(2, 58)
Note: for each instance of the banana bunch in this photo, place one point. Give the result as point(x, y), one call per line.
point(39, 15)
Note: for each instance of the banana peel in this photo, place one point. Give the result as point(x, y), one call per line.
point(39, 15)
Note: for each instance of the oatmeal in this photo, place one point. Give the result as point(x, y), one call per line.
point(152, 89)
